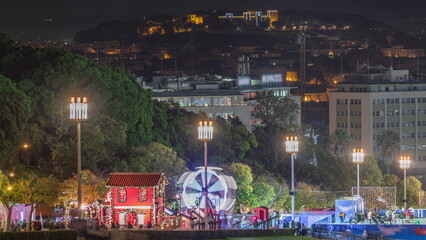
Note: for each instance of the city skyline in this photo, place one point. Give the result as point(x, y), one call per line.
point(53, 20)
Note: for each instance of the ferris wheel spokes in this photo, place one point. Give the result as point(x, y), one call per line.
point(220, 189)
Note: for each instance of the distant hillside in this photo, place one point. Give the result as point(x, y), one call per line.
point(133, 29)
point(111, 30)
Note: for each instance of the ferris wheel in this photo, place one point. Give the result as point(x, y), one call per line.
point(220, 189)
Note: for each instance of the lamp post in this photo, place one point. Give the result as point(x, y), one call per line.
point(78, 113)
point(357, 158)
point(178, 198)
point(205, 134)
point(292, 147)
point(404, 164)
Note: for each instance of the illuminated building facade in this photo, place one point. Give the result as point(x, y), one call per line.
point(254, 15)
point(365, 109)
point(272, 15)
point(215, 103)
point(135, 198)
point(401, 52)
point(195, 19)
point(227, 103)
point(291, 76)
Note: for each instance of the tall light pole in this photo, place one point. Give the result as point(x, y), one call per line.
point(78, 113)
point(404, 164)
point(205, 134)
point(292, 147)
point(357, 158)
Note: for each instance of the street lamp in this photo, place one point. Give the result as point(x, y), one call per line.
point(178, 198)
point(292, 147)
point(25, 146)
point(357, 158)
point(404, 164)
point(78, 113)
point(205, 134)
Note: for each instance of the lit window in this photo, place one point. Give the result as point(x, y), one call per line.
point(142, 195)
point(122, 195)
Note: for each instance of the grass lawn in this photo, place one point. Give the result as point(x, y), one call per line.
point(270, 238)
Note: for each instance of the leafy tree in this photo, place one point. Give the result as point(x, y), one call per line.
point(160, 122)
point(103, 141)
point(159, 158)
point(281, 193)
point(155, 157)
point(93, 188)
point(277, 116)
point(414, 186)
point(15, 111)
point(389, 144)
point(231, 143)
point(391, 180)
point(109, 90)
point(178, 130)
point(339, 143)
point(329, 173)
point(34, 190)
point(243, 178)
point(7, 197)
point(310, 196)
point(119, 108)
point(263, 194)
point(370, 173)
point(275, 113)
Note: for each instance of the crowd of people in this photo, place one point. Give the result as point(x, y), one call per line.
point(378, 216)
point(37, 225)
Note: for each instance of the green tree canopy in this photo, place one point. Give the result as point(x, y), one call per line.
point(414, 186)
point(93, 188)
point(263, 194)
point(310, 196)
point(370, 173)
point(120, 111)
point(7, 196)
point(277, 118)
point(389, 144)
point(15, 111)
point(339, 143)
point(243, 178)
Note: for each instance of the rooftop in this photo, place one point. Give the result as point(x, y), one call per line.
point(222, 92)
point(136, 179)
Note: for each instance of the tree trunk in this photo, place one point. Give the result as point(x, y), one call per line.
point(50, 213)
point(9, 217)
point(30, 217)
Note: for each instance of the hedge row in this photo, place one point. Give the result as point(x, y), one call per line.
point(196, 234)
point(68, 234)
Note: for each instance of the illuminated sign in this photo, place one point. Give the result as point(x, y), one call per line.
point(243, 80)
point(272, 78)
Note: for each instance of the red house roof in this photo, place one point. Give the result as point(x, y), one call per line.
point(136, 179)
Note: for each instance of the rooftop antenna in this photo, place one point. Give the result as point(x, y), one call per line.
point(368, 69)
point(418, 71)
point(302, 71)
point(161, 60)
point(341, 67)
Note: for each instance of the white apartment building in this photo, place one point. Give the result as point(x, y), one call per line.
point(367, 109)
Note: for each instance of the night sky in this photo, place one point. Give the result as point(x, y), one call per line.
point(83, 14)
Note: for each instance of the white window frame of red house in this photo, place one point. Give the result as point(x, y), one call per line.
point(145, 194)
point(120, 197)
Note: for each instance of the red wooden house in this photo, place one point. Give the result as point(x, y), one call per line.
point(135, 198)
